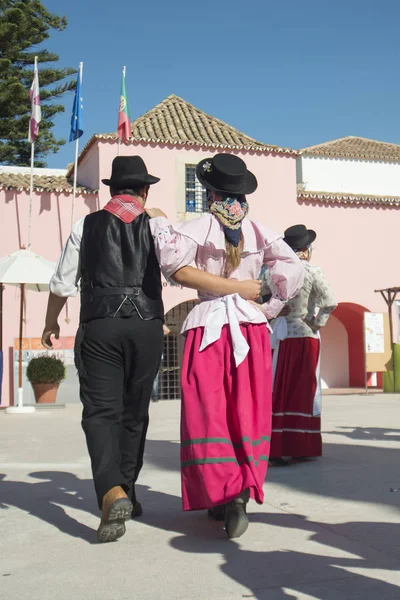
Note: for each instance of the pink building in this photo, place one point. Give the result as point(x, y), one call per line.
point(348, 190)
point(356, 226)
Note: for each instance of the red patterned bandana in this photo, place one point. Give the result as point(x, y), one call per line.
point(126, 208)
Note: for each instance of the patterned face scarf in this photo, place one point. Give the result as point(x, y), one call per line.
point(304, 254)
point(230, 212)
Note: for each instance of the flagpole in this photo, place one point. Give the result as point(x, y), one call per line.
point(32, 165)
point(119, 137)
point(75, 178)
point(31, 195)
point(76, 155)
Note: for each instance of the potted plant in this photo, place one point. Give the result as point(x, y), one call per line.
point(45, 374)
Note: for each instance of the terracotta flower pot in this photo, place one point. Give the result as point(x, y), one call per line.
point(45, 393)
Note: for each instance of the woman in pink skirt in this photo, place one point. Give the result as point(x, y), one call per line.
point(226, 370)
point(296, 408)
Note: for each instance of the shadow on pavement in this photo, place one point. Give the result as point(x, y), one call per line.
point(42, 500)
point(274, 575)
point(328, 574)
point(368, 434)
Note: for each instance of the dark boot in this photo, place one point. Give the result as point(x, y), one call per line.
point(137, 507)
point(278, 462)
point(217, 512)
point(137, 510)
point(236, 519)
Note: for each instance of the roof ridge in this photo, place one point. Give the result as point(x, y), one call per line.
point(328, 143)
point(345, 138)
point(174, 98)
point(355, 147)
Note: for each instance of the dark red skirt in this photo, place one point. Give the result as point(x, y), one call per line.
point(296, 431)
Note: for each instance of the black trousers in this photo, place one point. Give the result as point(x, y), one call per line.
point(118, 360)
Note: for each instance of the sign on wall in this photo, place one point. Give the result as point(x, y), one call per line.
point(378, 353)
point(63, 349)
point(374, 333)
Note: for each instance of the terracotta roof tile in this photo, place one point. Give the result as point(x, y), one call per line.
point(356, 147)
point(348, 199)
point(175, 121)
point(41, 183)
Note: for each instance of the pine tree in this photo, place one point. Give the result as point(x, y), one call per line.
point(24, 25)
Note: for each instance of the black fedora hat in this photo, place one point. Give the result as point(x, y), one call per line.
point(129, 171)
point(226, 173)
point(298, 236)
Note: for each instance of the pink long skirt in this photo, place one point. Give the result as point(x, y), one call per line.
point(226, 418)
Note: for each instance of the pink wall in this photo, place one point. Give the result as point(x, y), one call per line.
point(276, 174)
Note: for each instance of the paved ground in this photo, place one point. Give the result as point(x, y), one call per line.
point(329, 530)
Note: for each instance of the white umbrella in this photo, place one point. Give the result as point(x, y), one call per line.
point(31, 272)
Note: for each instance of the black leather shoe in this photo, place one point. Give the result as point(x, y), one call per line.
point(236, 519)
point(217, 512)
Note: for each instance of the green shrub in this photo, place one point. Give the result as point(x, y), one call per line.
point(45, 369)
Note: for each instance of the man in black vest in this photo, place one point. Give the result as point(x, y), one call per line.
point(120, 339)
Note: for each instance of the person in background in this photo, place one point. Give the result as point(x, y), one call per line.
point(296, 405)
point(226, 371)
point(155, 393)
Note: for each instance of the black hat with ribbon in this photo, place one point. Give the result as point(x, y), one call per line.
point(298, 237)
point(129, 171)
point(227, 174)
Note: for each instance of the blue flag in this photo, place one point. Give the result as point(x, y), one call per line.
point(77, 110)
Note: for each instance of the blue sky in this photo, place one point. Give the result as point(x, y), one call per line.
point(285, 72)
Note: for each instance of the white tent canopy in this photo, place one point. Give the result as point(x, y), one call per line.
point(31, 272)
point(26, 267)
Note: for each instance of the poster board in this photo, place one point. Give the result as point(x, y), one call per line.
point(378, 353)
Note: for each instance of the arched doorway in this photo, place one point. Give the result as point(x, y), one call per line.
point(334, 355)
point(170, 371)
point(352, 317)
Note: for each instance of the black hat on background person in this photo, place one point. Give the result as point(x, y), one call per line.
point(227, 174)
point(129, 172)
point(298, 237)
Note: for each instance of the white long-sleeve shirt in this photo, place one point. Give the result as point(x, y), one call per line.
point(65, 281)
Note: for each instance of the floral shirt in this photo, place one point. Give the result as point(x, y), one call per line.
point(315, 302)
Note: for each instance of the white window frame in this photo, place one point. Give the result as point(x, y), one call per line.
point(181, 162)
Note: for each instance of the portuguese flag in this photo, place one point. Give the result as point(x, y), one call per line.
point(124, 121)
